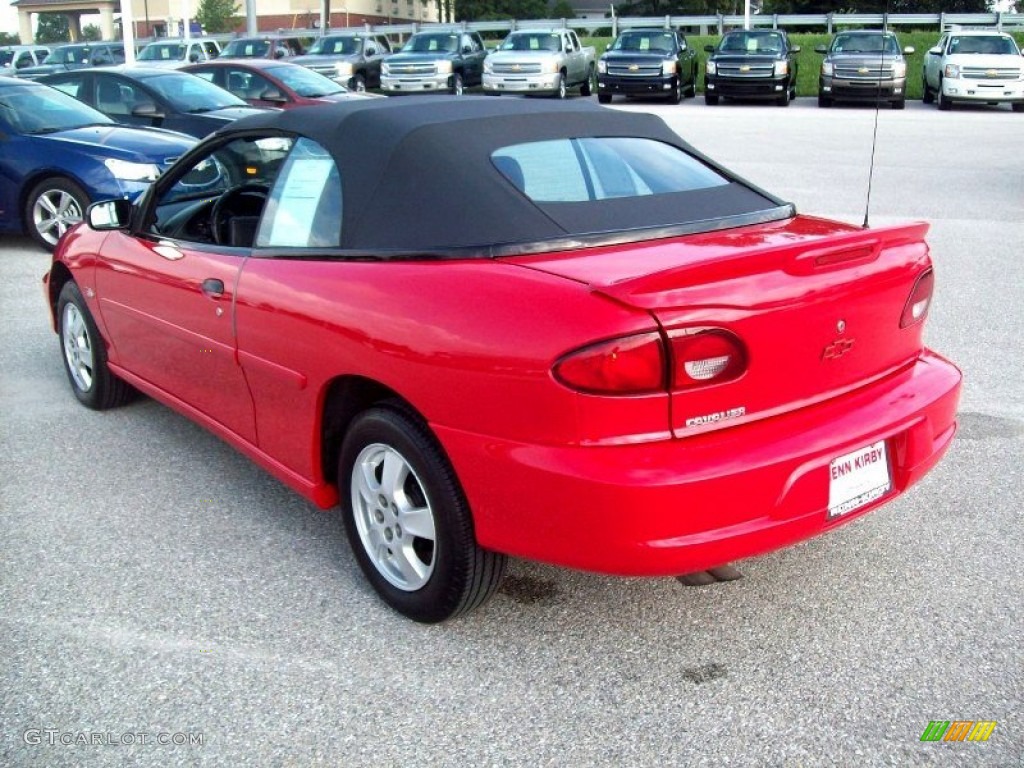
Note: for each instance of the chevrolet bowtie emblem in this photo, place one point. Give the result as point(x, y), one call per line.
point(745, 68)
point(863, 70)
point(633, 67)
point(516, 67)
point(992, 73)
point(837, 349)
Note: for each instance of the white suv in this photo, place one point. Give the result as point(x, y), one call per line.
point(979, 65)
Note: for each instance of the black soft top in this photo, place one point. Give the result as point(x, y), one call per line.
point(417, 175)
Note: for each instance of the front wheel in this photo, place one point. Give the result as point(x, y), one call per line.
point(358, 84)
point(561, 89)
point(710, 99)
point(928, 97)
point(676, 94)
point(85, 357)
point(604, 98)
point(52, 207)
point(824, 101)
point(899, 104)
point(457, 87)
point(408, 521)
point(1018, 107)
point(691, 91)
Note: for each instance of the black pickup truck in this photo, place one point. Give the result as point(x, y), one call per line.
point(436, 61)
point(751, 64)
point(648, 62)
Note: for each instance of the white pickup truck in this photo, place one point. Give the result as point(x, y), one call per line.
point(542, 62)
point(973, 65)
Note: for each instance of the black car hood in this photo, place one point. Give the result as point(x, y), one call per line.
point(629, 57)
point(412, 58)
point(745, 58)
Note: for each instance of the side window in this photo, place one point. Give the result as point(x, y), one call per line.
point(114, 97)
point(205, 74)
point(72, 87)
point(305, 205)
point(211, 49)
point(219, 198)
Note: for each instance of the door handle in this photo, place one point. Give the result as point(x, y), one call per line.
point(213, 287)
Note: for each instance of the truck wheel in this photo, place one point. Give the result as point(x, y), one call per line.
point(941, 100)
point(928, 96)
point(691, 91)
point(676, 94)
point(358, 84)
point(784, 99)
point(588, 86)
point(1018, 107)
point(457, 88)
point(710, 99)
point(899, 104)
point(824, 101)
point(606, 98)
point(561, 91)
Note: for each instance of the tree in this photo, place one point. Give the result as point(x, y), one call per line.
point(217, 16)
point(6, 38)
point(53, 28)
point(91, 32)
point(562, 10)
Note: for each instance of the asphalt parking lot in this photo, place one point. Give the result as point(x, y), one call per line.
point(157, 586)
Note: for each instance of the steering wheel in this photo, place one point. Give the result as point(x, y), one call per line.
point(244, 200)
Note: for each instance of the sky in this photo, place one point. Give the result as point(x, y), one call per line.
point(8, 17)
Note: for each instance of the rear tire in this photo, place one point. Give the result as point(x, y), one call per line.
point(928, 96)
point(85, 355)
point(408, 521)
point(588, 86)
point(52, 207)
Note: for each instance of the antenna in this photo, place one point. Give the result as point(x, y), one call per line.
point(878, 105)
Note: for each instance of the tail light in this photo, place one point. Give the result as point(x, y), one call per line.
point(630, 365)
point(637, 364)
point(703, 356)
point(920, 299)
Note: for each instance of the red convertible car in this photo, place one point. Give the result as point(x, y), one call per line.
point(492, 329)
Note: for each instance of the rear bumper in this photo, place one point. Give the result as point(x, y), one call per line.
point(679, 506)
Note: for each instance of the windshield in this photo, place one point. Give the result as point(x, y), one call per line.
point(752, 42)
point(532, 41)
point(306, 82)
point(644, 41)
point(189, 93)
point(861, 43)
point(328, 46)
point(36, 109)
point(996, 44)
point(69, 54)
point(430, 43)
point(163, 52)
point(246, 49)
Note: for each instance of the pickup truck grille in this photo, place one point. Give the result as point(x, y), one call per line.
point(635, 70)
point(513, 68)
point(746, 70)
point(870, 73)
point(323, 69)
point(417, 68)
point(991, 73)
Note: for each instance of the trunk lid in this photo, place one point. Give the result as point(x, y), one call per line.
point(817, 305)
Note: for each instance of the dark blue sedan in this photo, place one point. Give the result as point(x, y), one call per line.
point(160, 98)
point(57, 155)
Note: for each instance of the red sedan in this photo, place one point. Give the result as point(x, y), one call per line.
point(493, 328)
point(268, 83)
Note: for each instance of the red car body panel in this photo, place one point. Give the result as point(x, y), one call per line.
point(612, 484)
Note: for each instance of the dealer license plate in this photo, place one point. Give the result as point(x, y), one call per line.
point(857, 479)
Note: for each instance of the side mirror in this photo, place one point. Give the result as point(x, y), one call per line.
point(909, 50)
point(467, 49)
point(795, 49)
point(709, 48)
point(279, 53)
point(371, 52)
point(193, 57)
point(109, 214)
point(147, 109)
point(820, 49)
point(936, 51)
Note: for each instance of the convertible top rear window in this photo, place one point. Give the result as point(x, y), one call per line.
point(578, 170)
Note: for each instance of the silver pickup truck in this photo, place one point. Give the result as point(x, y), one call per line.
point(542, 62)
